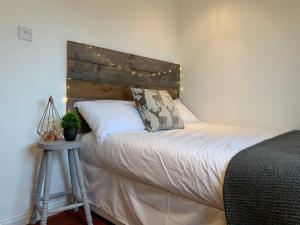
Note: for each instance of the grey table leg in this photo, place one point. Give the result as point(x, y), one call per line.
point(82, 188)
point(72, 175)
point(38, 189)
point(46, 188)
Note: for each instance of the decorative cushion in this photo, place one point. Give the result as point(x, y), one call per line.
point(157, 109)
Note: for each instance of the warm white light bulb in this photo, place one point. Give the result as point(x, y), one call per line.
point(64, 99)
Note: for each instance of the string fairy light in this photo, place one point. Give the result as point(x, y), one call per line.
point(64, 100)
point(133, 72)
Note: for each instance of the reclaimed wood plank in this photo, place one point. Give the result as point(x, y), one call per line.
point(97, 90)
point(102, 56)
point(119, 75)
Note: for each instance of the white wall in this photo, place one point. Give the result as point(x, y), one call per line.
point(30, 71)
point(241, 61)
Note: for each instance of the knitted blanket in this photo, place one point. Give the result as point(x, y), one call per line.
point(262, 183)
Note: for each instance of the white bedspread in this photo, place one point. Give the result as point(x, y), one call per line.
point(189, 162)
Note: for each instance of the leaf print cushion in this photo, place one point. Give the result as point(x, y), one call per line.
point(157, 109)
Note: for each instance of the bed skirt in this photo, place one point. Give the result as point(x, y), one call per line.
point(129, 202)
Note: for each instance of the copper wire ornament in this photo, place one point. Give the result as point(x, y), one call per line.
point(49, 127)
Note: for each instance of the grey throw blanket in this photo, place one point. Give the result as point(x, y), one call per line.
point(262, 183)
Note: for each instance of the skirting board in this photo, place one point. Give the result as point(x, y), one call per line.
point(24, 218)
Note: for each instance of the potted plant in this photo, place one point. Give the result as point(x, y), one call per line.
point(70, 123)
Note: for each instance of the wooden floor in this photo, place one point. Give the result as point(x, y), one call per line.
point(74, 218)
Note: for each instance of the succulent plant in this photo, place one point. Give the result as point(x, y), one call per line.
point(70, 120)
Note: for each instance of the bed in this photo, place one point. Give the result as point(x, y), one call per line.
point(175, 177)
point(172, 177)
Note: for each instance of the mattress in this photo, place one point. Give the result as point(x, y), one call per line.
point(190, 162)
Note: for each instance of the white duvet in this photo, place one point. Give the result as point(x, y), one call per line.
point(191, 162)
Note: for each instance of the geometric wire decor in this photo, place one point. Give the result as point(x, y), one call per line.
point(49, 127)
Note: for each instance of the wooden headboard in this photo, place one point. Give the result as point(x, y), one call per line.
point(99, 73)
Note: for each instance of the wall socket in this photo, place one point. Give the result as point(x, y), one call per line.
point(25, 33)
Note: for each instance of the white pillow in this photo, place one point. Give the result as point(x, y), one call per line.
point(110, 116)
point(186, 114)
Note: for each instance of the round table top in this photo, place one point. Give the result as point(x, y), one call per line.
point(59, 145)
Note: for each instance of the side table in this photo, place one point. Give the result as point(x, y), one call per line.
point(44, 179)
